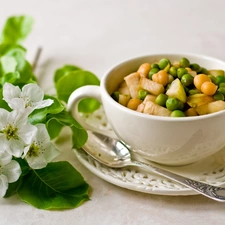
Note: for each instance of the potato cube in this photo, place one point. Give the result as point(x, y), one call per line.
point(124, 90)
point(210, 107)
point(124, 99)
point(154, 109)
point(123, 84)
point(132, 82)
point(199, 99)
point(151, 86)
point(140, 108)
point(149, 98)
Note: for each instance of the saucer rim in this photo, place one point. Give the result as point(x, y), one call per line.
point(83, 159)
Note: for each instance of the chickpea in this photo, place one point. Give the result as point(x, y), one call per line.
point(133, 103)
point(161, 77)
point(200, 79)
point(208, 88)
point(155, 77)
point(191, 112)
point(144, 69)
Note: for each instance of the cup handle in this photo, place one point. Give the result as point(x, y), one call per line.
point(87, 91)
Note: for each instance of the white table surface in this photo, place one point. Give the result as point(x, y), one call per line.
point(95, 34)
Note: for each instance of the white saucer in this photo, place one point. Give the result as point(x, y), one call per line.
point(211, 170)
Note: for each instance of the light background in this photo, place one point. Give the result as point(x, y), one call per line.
point(96, 34)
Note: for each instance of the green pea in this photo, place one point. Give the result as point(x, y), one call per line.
point(181, 72)
point(142, 94)
point(195, 67)
point(155, 65)
point(174, 103)
point(193, 91)
point(218, 96)
point(186, 90)
point(173, 71)
point(221, 90)
point(220, 79)
point(164, 64)
point(161, 99)
point(152, 72)
point(115, 95)
point(213, 79)
point(177, 113)
point(187, 79)
point(222, 84)
point(184, 62)
point(204, 71)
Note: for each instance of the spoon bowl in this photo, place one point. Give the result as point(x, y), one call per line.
point(116, 154)
point(107, 150)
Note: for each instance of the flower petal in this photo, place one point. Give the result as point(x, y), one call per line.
point(17, 104)
point(5, 158)
point(27, 132)
point(10, 91)
point(42, 133)
point(17, 117)
point(33, 91)
point(3, 185)
point(3, 118)
point(43, 104)
point(51, 152)
point(46, 150)
point(37, 162)
point(15, 147)
point(12, 171)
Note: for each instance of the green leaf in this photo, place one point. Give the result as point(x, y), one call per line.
point(13, 59)
point(26, 72)
point(8, 64)
point(54, 127)
point(3, 103)
point(16, 29)
point(39, 115)
point(10, 77)
point(88, 105)
point(14, 50)
point(73, 80)
point(79, 137)
point(23, 165)
point(13, 188)
point(57, 186)
point(63, 71)
point(79, 134)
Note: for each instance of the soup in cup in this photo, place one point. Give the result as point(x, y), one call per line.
point(164, 139)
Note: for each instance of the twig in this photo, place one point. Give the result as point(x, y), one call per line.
point(37, 57)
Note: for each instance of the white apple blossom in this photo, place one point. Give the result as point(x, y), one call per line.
point(10, 171)
point(41, 151)
point(15, 131)
point(30, 97)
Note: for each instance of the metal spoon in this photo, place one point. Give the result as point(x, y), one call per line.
point(115, 154)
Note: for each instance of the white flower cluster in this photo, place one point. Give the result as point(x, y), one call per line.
point(18, 137)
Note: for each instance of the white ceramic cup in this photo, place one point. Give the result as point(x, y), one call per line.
point(166, 140)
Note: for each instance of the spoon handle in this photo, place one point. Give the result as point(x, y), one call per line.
point(213, 192)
